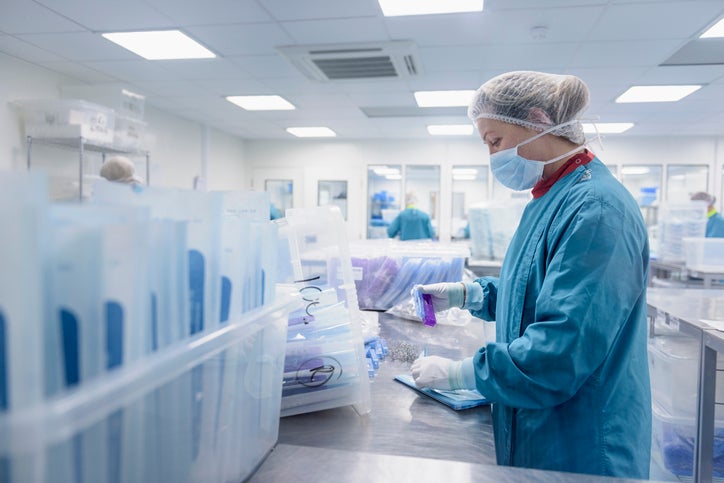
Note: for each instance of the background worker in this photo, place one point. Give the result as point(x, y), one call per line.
point(411, 223)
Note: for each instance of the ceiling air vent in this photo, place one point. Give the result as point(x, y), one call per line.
point(343, 62)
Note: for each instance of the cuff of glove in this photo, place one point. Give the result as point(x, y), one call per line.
point(473, 296)
point(461, 375)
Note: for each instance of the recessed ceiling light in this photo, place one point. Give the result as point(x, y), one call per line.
point(450, 129)
point(716, 31)
point(393, 8)
point(160, 45)
point(443, 98)
point(384, 170)
point(261, 103)
point(393, 176)
point(606, 127)
point(656, 93)
point(311, 132)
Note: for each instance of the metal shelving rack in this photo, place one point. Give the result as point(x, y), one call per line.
point(82, 145)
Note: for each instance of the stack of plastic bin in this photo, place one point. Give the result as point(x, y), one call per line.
point(325, 364)
point(206, 409)
point(677, 221)
point(492, 225)
point(386, 270)
point(673, 364)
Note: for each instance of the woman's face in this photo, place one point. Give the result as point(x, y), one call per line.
point(498, 135)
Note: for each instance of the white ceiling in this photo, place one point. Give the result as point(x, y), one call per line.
point(611, 44)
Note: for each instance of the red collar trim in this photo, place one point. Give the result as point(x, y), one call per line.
point(574, 162)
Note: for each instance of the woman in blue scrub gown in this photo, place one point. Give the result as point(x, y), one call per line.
point(568, 373)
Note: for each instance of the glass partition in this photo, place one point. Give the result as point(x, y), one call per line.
point(280, 193)
point(384, 186)
point(469, 186)
point(333, 193)
point(423, 181)
point(682, 181)
point(644, 183)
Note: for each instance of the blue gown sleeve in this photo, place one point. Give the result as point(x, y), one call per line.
point(593, 275)
point(490, 298)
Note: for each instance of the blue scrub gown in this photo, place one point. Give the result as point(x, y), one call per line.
point(568, 375)
point(411, 224)
point(715, 226)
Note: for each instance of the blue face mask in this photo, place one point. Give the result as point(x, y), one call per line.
point(518, 173)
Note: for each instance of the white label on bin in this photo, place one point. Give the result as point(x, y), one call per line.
point(358, 273)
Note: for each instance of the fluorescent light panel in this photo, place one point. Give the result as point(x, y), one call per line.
point(393, 176)
point(384, 171)
point(606, 127)
point(656, 93)
point(311, 132)
point(261, 103)
point(715, 32)
point(464, 177)
point(160, 45)
point(450, 129)
point(443, 98)
point(393, 8)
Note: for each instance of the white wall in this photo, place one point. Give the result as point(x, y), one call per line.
point(175, 148)
point(304, 158)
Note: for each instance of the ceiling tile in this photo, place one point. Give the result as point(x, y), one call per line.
point(35, 18)
point(264, 66)
point(23, 50)
point(80, 46)
point(110, 15)
point(337, 31)
point(284, 10)
point(211, 11)
point(242, 39)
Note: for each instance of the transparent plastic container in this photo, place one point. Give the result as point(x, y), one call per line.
point(704, 254)
point(386, 270)
point(68, 118)
point(204, 409)
point(674, 369)
point(128, 134)
point(124, 101)
point(325, 364)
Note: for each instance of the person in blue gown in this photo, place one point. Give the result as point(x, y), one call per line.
point(714, 222)
point(568, 374)
point(411, 223)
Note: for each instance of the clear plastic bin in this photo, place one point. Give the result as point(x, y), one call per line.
point(674, 369)
point(673, 440)
point(206, 409)
point(386, 270)
point(68, 118)
point(128, 134)
point(704, 254)
point(124, 101)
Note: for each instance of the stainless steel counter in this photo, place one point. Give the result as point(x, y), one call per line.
point(407, 436)
point(402, 421)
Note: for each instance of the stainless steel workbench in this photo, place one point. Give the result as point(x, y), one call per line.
point(407, 436)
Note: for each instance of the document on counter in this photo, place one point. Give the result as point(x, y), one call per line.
point(457, 400)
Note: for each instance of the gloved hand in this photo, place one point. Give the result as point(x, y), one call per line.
point(434, 372)
point(444, 295)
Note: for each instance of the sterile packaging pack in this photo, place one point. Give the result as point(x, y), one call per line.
point(424, 309)
point(325, 364)
point(23, 214)
point(204, 409)
point(388, 269)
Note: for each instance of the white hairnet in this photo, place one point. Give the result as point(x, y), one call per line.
point(410, 199)
point(120, 169)
point(536, 100)
point(703, 196)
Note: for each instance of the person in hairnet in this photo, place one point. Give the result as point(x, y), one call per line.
point(120, 170)
point(714, 222)
point(568, 374)
point(411, 223)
